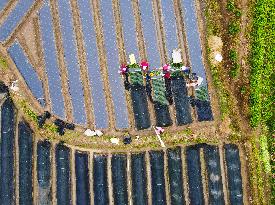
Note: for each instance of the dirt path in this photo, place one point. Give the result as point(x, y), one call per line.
point(148, 177)
point(110, 181)
point(166, 178)
point(53, 174)
point(73, 176)
point(204, 177)
point(91, 176)
point(223, 174)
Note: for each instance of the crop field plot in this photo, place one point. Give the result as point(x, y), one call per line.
point(194, 174)
point(68, 54)
point(55, 172)
point(118, 102)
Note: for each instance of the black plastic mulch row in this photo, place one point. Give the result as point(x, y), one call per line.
point(44, 172)
point(204, 110)
point(139, 179)
point(7, 186)
point(163, 118)
point(212, 160)
point(175, 176)
point(25, 164)
point(63, 185)
point(101, 196)
point(194, 175)
point(140, 107)
point(157, 177)
point(119, 178)
point(82, 178)
point(181, 100)
point(234, 177)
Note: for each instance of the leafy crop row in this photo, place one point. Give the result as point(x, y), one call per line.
point(3, 63)
point(262, 73)
point(159, 91)
point(262, 64)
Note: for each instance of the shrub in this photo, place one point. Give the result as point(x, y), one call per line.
point(230, 6)
point(238, 13)
point(233, 56)
point(3, 63)
point(235, 70)
point(243, 90)
point(233, 28)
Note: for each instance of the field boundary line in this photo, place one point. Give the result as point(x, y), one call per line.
point(223, 174)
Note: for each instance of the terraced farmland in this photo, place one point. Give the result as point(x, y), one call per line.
point(68, 54)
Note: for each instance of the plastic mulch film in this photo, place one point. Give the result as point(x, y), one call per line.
point(140, 107)
point(7, 182)
point(203, 105)
point(63, 175)
point(181, 100)
point(25, 163)
point(44, 172)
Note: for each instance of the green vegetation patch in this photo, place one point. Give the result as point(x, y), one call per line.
point(3, 63)
point(159, 91)
point(262, 64)
point(260, 168)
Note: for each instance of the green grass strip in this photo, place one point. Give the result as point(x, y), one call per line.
point(262, 63)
